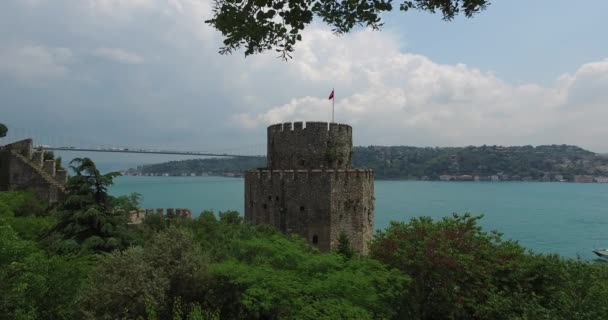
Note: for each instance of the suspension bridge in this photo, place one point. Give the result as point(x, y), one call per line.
point(70, 144)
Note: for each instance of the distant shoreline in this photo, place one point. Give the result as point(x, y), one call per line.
point(380, 179)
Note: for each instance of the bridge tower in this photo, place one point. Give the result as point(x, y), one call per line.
point(310, 188)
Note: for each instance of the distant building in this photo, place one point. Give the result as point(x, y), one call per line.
point(494, 178)
point(601, 179)
point(445, 177)
point(559, 177)
point(583, 178)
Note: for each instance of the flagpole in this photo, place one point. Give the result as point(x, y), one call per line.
point(333, 102)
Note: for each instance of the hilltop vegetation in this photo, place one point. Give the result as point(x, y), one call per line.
point(212, 166)
point(81, 260)
point(403, 162)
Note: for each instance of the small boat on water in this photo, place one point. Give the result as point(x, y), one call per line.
point(601, 252)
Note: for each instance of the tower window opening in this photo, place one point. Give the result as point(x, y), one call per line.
point(302, 208)
point(277, 198)
point(265, 206)
point(315, 239)
point(270, 198)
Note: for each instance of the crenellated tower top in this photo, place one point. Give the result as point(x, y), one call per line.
point(310, 145)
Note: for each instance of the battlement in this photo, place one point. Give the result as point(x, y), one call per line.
point(309, 127)
point(309, 145)
point(138, 216)
point(307, 174)
point(22, 167)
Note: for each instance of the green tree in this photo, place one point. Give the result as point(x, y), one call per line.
point(139, 281)
point(454, 265)
point(33, 285)
point(344, 247)
point(90, 218)
point(277, 24)
point(3, 130)
point(88, 186)
point(48, 155)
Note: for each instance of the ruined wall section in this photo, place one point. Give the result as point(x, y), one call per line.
point(310, 145)
point(22, 169)
point(318, 205)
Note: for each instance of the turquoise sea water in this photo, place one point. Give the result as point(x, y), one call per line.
point(565, 218)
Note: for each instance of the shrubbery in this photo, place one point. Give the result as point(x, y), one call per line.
point(83, 262)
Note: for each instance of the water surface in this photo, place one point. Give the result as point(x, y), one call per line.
point(565, 218)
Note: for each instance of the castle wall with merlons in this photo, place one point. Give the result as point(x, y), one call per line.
point(317, 204)
point(310, 145)
point(22, 169)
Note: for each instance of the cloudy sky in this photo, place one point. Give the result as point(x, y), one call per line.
point(147, 73)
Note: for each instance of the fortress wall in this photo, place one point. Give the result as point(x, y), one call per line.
point(23, 147)
point(321, 203)
point(311, 145)
point(20, 169)
point(23, 177)
point(352, 203)
point(294, 201)
point(38, 158)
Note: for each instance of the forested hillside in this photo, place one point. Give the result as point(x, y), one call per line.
point(403, 162)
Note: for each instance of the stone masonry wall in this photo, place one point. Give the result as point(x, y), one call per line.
point(20, 169)
point(294, 201)
point(352, 207)
point(316, 204)
point(309, 187)
point(311, 145)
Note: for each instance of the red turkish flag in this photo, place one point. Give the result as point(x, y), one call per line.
point(331, 96)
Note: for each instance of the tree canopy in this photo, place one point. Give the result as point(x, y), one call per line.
point(261, 25)
point(3, 130)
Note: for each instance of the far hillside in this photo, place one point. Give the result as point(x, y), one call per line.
point(548, 162)
point(528, 163)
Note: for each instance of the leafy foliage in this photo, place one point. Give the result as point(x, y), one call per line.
point(459, 271)
point(3, 130)
point(215, 266)
point(213, 166)
point(261, 25)
point(33, 285)
point(260, 274)
point(139, 280)
point(401, 162)
point(48, 155)
point(90, 218)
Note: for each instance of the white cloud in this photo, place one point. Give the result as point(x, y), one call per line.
point(35, 62)
point(188, 92)
point(405, 98)
point(119, 55)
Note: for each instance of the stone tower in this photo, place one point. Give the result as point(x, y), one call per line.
point(310, 188)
